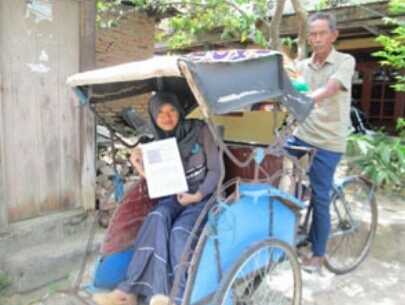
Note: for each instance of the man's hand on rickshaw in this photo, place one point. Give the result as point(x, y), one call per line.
point(136, 160)
point(186, 198)
point(331, 88)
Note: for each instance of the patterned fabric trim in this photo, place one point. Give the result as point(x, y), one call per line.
point(229, 55)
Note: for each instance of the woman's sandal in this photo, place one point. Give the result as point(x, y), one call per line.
point(161, 299)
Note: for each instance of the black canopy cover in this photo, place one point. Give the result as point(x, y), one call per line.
point(229, 80)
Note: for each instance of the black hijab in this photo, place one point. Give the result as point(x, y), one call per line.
point(186, 131)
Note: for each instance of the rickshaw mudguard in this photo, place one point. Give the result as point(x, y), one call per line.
point(258, 214)
point(233, 80)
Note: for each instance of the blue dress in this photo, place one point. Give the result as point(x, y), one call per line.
point(163, 235)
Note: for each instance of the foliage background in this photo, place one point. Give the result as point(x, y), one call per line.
point(393, 54)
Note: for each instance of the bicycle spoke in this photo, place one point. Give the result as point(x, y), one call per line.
point(353, 222)
point(266, 277)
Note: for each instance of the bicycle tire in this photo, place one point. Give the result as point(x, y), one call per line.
point(231, 283)
point(354, 218)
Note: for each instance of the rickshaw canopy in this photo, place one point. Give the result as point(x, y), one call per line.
point(226, 81)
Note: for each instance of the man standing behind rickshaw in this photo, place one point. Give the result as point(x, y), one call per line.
point(329, 75)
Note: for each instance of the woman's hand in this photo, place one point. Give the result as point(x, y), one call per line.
point(136, 160)
point(186, 198)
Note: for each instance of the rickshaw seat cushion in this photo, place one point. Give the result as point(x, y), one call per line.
point(116, 249)
point(127, 219)
point(111, 269)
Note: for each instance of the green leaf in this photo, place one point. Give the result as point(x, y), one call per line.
point(393, 54)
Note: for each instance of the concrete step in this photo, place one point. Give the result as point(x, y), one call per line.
point(44, 229)
point(40, 265)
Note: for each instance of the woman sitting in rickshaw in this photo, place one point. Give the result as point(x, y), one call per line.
point(161, 239)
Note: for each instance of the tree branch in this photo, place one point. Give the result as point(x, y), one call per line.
point(302, 28)
point(170, 11)
point(274, 42)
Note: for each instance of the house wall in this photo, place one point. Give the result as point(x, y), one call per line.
point(132, 39)
point(39, 116)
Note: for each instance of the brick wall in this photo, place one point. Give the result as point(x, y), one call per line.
point(131, 40)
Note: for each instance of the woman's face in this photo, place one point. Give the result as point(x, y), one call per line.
point(167, 118)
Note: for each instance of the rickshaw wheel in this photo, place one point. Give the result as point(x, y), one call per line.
point(267, 273)
point(354, 225)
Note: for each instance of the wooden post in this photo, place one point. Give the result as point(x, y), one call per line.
point(3, 200)
point(88, 13)
point(399, 108)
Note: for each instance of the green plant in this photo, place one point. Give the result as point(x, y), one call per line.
point(400, 127)
point(4, 281)
point(393, 53)
point(108, 13)
point(379, 157)
point(190, 21)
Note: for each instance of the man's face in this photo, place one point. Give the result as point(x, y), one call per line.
point(321, 37)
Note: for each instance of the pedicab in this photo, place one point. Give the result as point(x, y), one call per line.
point(245, 253)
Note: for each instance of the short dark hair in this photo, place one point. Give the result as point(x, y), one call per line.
point(330, 18)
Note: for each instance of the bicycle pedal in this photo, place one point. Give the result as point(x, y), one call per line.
point(302, 240)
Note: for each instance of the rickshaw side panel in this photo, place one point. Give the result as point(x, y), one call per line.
point(240, 225)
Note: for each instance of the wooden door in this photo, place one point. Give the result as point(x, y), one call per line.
point(372, 90)
point(40, 152)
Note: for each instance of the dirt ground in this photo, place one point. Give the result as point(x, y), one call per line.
point(380, 280)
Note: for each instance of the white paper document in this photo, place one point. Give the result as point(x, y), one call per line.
point(164, 170)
